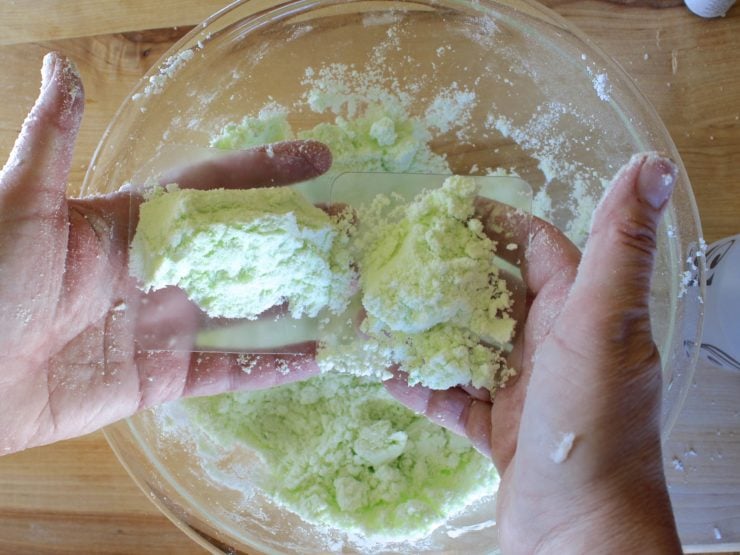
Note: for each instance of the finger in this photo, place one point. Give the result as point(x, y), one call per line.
point(113, 214)
point(507, 405)
point(264, 166)
point(213, 373)
point(166, 376)
point(479, 393)
point(614, 275)
point(32, 197)
point(623, 232)
point(453, 409)
point(34, 179)
point(599, 358)
point(520, 299)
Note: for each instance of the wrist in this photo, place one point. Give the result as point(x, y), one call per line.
point(634, 526)
point(630, 514)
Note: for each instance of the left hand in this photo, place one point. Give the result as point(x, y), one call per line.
point(70, 313)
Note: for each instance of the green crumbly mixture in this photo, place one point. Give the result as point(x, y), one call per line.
point(432, 291)
point(383, 139)
point(339, 451)
point(237, 253)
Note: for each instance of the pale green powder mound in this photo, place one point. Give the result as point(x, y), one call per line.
point(236, 253)
point(339, 451)
point(270, 126)
point(432, 290)
point(383, 139)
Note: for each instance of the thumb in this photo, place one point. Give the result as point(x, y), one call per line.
point(617, 263)
point(33, 211)
point(34, 179)
point(597, 373)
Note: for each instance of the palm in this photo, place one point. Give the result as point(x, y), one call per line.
point(548, 269)
point(55, 360)
point(509, 401)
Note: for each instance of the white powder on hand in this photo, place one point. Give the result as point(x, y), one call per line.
point(563, 448)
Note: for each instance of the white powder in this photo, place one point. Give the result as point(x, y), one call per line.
point(541, 136)
point(690, 277)
point(432, 291)
point(237, 253)
point(451, 107)
point(342, 452)
point(167, 71)
point(457, 532)
point(563, 448)
point(602, 86)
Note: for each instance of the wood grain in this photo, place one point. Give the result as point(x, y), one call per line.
point(23, 21)
point(110, 66)
point(74, 497)
point(699, 102)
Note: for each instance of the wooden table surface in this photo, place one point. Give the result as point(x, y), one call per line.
point(74, 497)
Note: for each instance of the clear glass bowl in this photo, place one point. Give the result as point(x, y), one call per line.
point(571, 118)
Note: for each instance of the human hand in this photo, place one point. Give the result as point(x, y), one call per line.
point(590, 368)
point(70, 314)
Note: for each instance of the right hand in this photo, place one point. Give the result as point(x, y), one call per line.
point(590, 368)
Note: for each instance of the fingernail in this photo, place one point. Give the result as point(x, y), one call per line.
point(656, 180)
point(317, 154)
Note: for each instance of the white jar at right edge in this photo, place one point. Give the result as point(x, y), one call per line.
point(721, 340)
point(709, 8)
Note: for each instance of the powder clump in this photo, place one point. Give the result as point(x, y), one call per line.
point(237, 253)
point(431, 288)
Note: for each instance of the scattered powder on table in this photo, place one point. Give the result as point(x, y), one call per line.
point(237, 253)
point(339, 451)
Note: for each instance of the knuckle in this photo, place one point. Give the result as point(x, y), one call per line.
point(637, 234)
